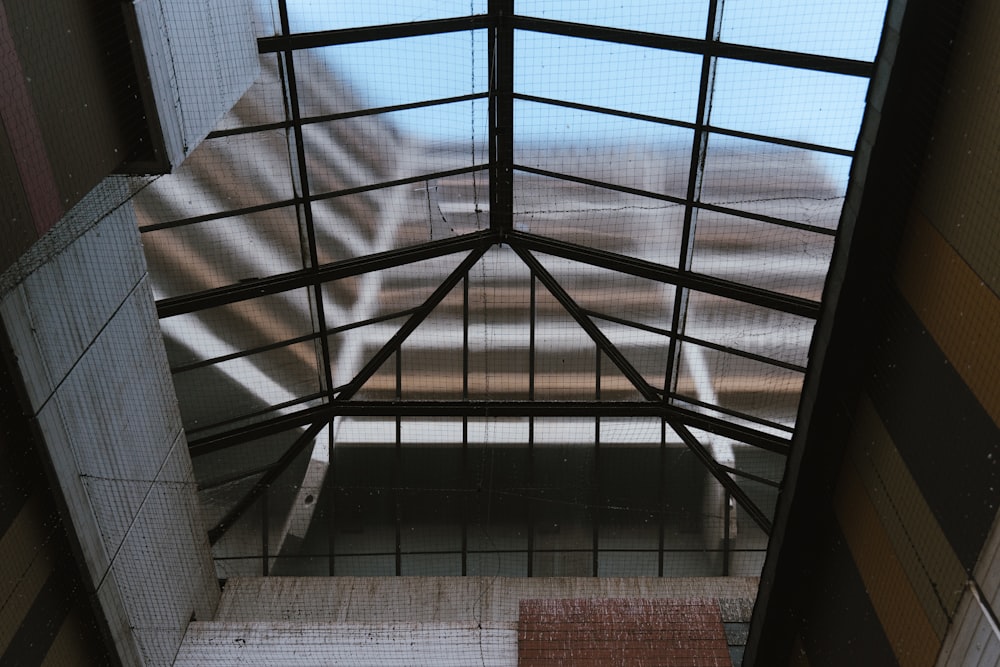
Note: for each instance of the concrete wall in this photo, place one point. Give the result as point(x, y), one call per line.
point(84, 335)
point(384, 621)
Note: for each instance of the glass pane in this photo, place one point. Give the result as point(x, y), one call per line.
point(499, 332)
point(389, 72)
point(761, 331)
point(635, 79)
point(600, 218)
point(309, 15)
point(786, 183)
point(761, 254)
point(788, 103)
point(683, 18)
point(222, 174)
point(838, 28)
point(239, 387)
point(236, 327)
point(369, 150)
point(226, 251)
point(620, 151)
point(752, 387)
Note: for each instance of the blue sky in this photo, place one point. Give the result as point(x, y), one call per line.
point(794, 104)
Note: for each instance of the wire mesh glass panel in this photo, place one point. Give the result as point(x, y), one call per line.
point(434, 360)
point(239, 387)
point(762, 254)
point(222, 174)
point(565, 356)
point(612, 294)
point(391, 72)
point(355, 225)
point(600, 218)
point(644, 351)
point(235, 328)
point(259, 534)
point(365, 151)
point(634, 79)
point(225, 251)
point(619, 151)
point(841, 29)
point(385, 292)
point(687, 18)
point(228, 468)
point(744, 327)
point(430, 210)
point(499, 507)
point(563, 509)
point(433, 502)
point(791, 184)
point(757, 389)
point(365, 509)
point(308, 15)
point(631, 507)
point(499, 328)
point(789, 103)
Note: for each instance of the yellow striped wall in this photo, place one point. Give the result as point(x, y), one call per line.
point(890, 505)
point(45, 614)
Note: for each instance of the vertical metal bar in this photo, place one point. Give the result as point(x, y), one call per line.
point(663, 493)
point(696, 172)
point(465, 423)
point(397, 484)
point(596, 503)
point(501, 109)
point(329, 482)
point(532, 314)
point(725, 534)
point(265, 537)
point(307, 214)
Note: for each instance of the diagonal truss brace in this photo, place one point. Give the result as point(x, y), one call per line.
point(421, 313)
point(244, 503)
point(648, 391)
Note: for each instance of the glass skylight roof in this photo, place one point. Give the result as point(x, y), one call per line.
point(521, 288)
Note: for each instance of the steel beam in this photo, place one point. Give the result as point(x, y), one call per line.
point(392, 345)
point(603, 344)
point(319, 39)
point(689, 45)
point(791, 143)
point(501, 110)
point(308, 224)
point(213, 298)
point(720, 474)
point(486, 409)
point(696, 173)
point(233, 515)
point(665, 274)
